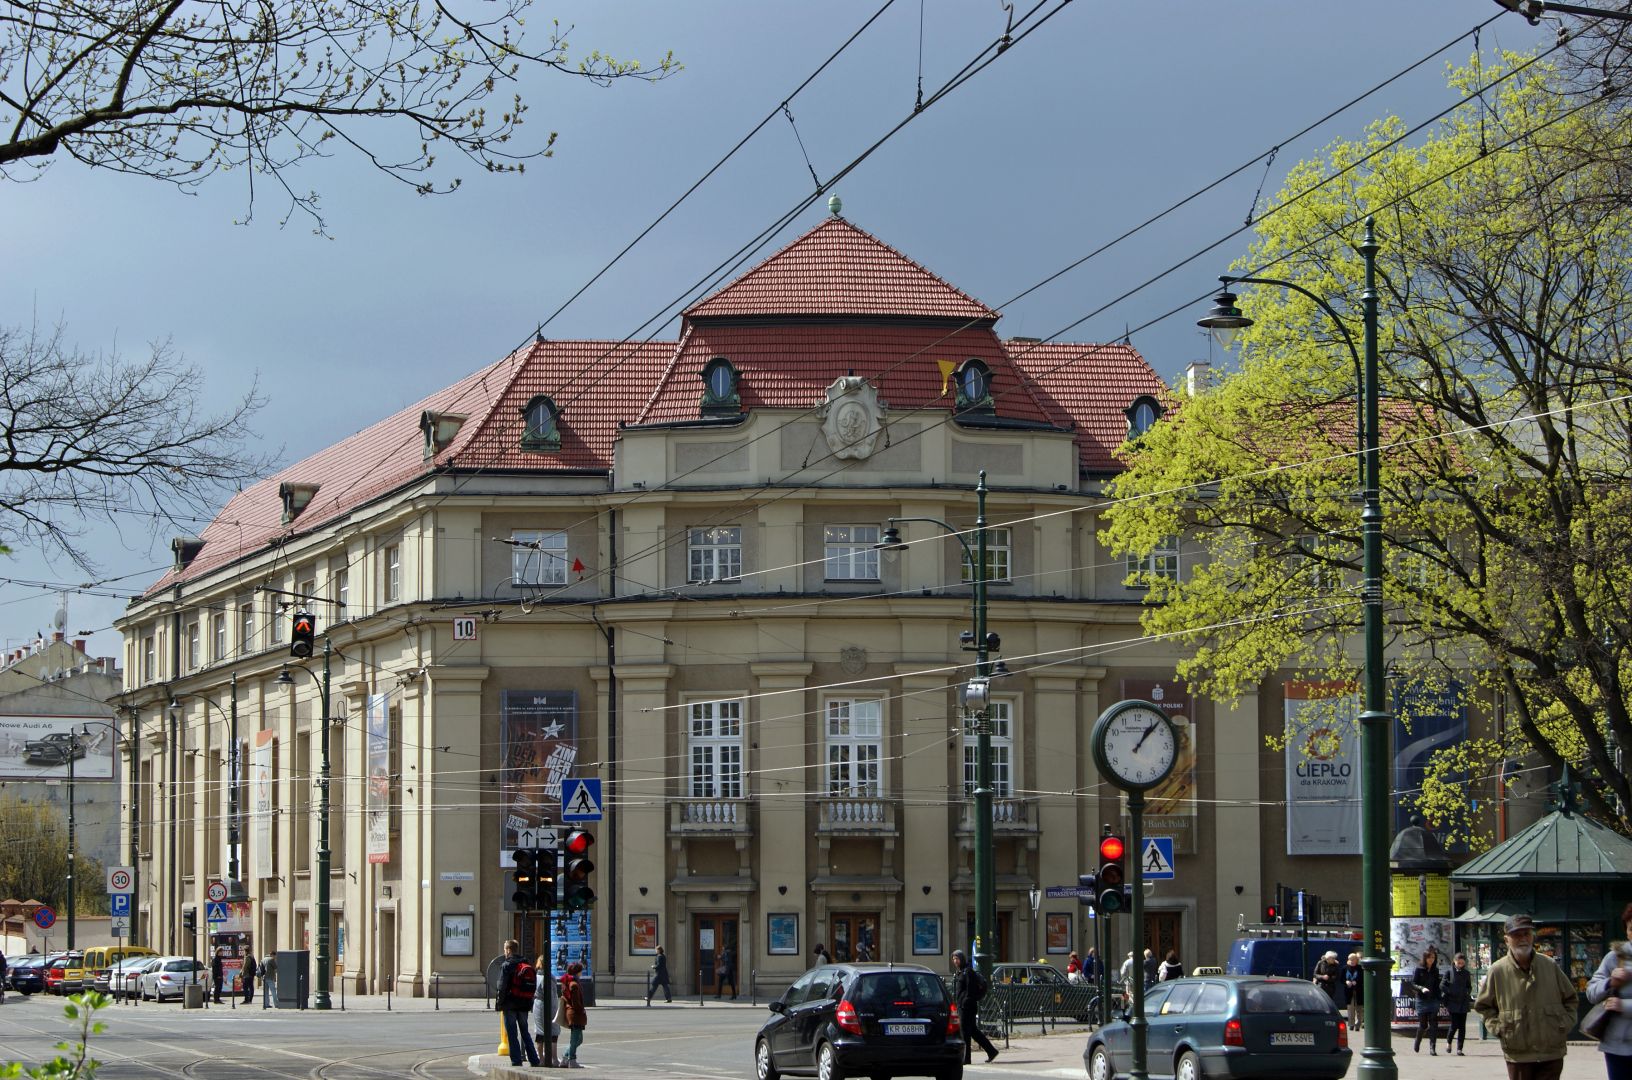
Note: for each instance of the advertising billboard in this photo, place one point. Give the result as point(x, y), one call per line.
point(41, 747)
point(1322, 769)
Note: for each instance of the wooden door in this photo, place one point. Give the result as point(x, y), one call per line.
point(855, 936)
point(1162, 934)
point(710, 936)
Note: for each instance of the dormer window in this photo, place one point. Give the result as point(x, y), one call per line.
point(185, 549)
point(543, 425)
point(973, 380)
point(439, 429)
point(295, 498)
point(1142, 415)
point(720, 395)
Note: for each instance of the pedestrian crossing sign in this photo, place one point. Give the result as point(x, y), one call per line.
point(1156, 860)
point(581, 799)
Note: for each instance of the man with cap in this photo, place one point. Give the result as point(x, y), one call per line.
point(1529, 1004)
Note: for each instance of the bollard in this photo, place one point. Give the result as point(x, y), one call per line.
point(388, 995)
point(436, 989)
point(700, 993)
point(342, 995)
point(753, 986)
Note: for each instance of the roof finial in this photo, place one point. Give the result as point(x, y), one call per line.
point(835, 205)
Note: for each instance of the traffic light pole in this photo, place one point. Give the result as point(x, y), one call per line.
point(1139, 1028)
point(320, 1000)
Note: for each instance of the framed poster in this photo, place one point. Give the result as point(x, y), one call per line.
point(782, 934)
point(926, 935)
point(643, 935)
point(1057, 932)
point(458, 935)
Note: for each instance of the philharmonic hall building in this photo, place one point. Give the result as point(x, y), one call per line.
point(656, 565)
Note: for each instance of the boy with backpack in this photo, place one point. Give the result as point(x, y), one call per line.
point(968, 987)
point(517, 982)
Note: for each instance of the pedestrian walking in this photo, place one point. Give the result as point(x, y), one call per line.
point(546, 1027)
point(1426, 981)
point(1354, 985)
point(1151, 968)
point(1090, 965)
point(968, 987)
point(1611, 984)
point(269, 980)
point(218, 968)
point(573, 1013)
point(1171, 968)
point(1329, 977)
point(658, 975)
point(517, 983)
point(1127, 972)
point(1529, 1004)
point(725, 971)
point(818, 955)
point(247, 976)
point(1458, 993)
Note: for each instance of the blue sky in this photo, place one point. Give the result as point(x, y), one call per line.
point(1106, 115)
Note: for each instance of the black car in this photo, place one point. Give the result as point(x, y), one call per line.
point(55, 749)
point(1229, 1026)
point(874, 1020)
point(26, 974)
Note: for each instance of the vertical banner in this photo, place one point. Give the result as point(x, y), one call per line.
point(1427, 719)
point(1170, 807)
point(1322, 769)
point(377, 801)
point(540, 749)
point(260, 795)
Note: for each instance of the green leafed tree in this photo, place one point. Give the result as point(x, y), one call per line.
point(1505, 283)
point(180, 90)
point(34, 859)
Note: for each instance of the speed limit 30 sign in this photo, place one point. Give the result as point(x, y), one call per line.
point(121, 879)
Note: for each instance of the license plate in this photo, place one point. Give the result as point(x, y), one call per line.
point(1292, 1038)
point(914, 1028)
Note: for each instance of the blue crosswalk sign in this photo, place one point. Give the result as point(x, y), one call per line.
point(581, 799)
point(119, 904)
point(1156, 861)
point(215, 911)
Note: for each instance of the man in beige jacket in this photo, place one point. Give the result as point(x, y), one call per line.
point(1529, 1004)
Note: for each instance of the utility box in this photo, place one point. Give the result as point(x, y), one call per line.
point(192, 996)
point(294, 978)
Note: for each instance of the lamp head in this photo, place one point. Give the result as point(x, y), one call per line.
point(1225, 319)
point(891, 540)
point(284, 678)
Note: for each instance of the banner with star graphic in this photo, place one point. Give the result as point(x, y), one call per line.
point(540, 750)
point(377, 797)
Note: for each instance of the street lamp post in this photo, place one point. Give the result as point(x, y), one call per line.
point(235, 881)
point(320, 997)
point(1377, 1058)
point(976, 693)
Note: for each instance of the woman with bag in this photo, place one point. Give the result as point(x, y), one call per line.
point(1354, 988)
point(1073, 970)
point(1611, 986)
point(1458, 986)
point(546, 1027)
point(573, 1015)
point(1426, 979)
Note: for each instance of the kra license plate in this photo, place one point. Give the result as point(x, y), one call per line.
point(1292, 1038)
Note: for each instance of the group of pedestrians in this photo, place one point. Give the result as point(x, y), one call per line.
point(247, 973)
point(535, 1010)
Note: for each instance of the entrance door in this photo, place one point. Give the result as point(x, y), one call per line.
point(529, 931)
point(1000, 947)
point(1162, 933)
point(855, 936)
point(712, 935)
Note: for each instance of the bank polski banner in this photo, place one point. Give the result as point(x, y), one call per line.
point(1322, 769)
point(377, 799)
point(1170, 807)
point(260, 796)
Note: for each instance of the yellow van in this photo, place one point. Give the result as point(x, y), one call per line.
point(99, 962)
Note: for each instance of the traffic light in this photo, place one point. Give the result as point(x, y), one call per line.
point(1112, 857)
point(576, 894)
point(1272, 914)
point(300, 635)
point(189, 920)
point(1087, 891)
point(524, 880)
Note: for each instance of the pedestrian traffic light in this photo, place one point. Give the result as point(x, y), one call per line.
point(1272, 914)
point(300, 635)
point(1112, 858)
point(189, 920)
point(1086, 891)
point(576, 893)
point(524, 880)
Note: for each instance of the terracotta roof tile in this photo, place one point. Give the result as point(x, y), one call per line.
point(837, 269)
point(1092, 384)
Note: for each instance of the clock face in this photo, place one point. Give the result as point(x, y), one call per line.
point(1135, 744)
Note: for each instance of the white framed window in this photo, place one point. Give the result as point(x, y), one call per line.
point(276, 619)
point(538, 557)
point(854, 730)
point(342, 589)
point(307, 590)
point(1323, 577)
point(998, 547)
point(850, 552)
point(149, 656)
point(1001, 714)
point(246, 628)
point(1162, 562)
point(195, 646)
point(218, 636)
point(714, 733)
point(393, 573)
point(714, 554)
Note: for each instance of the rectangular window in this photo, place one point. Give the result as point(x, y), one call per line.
point(307, 590)
point(194, 647)
point(997, 555)
point(1162, 562)
point(850, 552)
point(393, 574)
point(1323, 575)
point(715, 555)
point(855, 747)
point(218, 636)
point(275, 620)
point(342, 592)
point(715, 732)
point(246, 629)
point(538, 558)
point(149, 655)
point(1001, 714)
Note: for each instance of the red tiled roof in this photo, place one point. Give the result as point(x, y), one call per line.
point(790, 367)
point(1092, 384)
point(837, 269)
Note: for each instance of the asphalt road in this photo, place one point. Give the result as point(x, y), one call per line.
point(624, 1039)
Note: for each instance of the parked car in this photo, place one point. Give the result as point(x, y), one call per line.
point(1019, 991)
point(1229, 1026)
point(125, 981)
point(875, 1020)
point(56, 972)
point(170, 976)
point(57, 748)
point(1288, 956)
point(26, 974)
point(99, 963)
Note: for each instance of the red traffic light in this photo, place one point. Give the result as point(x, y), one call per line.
point(578, 843)
point(1112, 848)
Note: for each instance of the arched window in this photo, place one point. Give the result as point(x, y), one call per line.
point(542, 430)
point(720, 395)
point(973, 380)
point(1142, 415)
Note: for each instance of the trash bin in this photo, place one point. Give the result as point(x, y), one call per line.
point(294, 978)
point(192, 996)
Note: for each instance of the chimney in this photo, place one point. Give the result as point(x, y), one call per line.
point(1197, 376)
point(57, 635)
point(79, 644)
